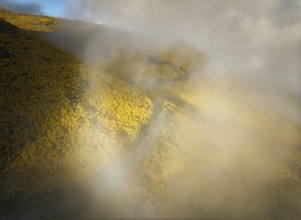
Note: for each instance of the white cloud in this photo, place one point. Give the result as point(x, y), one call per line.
point(256, 42)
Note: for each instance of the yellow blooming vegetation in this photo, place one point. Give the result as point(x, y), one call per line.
point(197, 164)
point(60, 120)
point(136, 66)
point(187, 92)
point(30, 22)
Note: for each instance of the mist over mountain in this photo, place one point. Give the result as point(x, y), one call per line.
point(254, 43)
point(151, 109)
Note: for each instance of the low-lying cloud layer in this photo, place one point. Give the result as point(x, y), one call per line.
point(210, 151)
point(257, 44)
point(228, 156)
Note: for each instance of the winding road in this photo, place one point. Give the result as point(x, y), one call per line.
point(64, 200)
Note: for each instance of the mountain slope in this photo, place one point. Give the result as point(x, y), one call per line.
point(30, 22)
point(58, 115)
point(212, 153)
point(123, 54)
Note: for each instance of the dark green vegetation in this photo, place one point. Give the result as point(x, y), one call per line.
point(214, 154)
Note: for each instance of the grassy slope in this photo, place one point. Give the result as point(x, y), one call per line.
point(30, 22)
point(176, 178)
point(58, 116)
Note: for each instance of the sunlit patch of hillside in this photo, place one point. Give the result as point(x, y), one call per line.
point(30, 22)
point(60, 120)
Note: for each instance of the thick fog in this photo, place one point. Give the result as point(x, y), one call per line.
point(246, 128)
point(223, 142)
point(254, 42)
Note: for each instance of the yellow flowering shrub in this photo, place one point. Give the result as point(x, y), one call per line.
point(59, 117)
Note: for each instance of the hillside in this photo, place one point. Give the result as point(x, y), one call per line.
point(30, 22)
point(77, 97)
point(118, 52)
point(54, 119)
